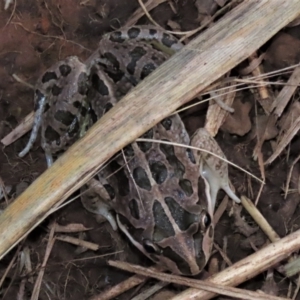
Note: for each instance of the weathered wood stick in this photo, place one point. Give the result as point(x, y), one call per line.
point(188, 72)
point(248, 267)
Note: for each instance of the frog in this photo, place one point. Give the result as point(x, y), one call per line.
point(161, 196)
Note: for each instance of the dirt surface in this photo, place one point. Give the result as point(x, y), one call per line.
point(36, 34)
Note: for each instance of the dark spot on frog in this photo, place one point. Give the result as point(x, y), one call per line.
point(128, 150)
point(134, 208)
point(177, 165)
point(136, 54)
point(52, 135)
point(110, 190)
point(205, 155)
point(152, 32)
point(186, 186)
point(83, 111)
point(167, 40)
point(99, 85)
point(112, 59)
point(83, 83)
point(167, 123)
point(145, 146)
point(183, 218)
point(141, 178)
point(159, 171)
point(65, 70)
point(115, 75)
point(122, 179)
point(133, 32)
point(49, 76)
point(77, 104)
point(64, 117)
point(168, 150)
point(47, 106)
point(190, 155)
point(116, 37)
point(107, 107)
point(131, 67)
point(163, 227)
point(56, 90)
point(147, 69)
point(155, 58)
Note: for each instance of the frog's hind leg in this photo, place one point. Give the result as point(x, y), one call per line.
point(213, 168)
point(40, 105)
point(95, 199)
point(159, 38)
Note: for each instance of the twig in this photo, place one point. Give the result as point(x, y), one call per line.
point(38, 282)
point(259, 219)
point(248, 267)
point(199, 284)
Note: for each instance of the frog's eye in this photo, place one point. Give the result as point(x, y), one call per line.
point(150, 247)
point(205, 220)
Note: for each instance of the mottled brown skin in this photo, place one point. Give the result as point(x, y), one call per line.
point(164, 197)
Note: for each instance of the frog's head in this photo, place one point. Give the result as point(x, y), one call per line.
point(177, 239)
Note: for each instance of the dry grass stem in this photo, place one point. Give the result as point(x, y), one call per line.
point(259, 219)
point(74, 227)
point(120, 288)
point(124, 286)
point(78, 242)
point(150, 291)
point(216, 114)
point(202, 150)
point(9, 267)
point(149, 5)
point(264, 99)
point(20, 80)
point(199, 284)
point(20, 130)
point(220, 210)
point(223, 254)
point(285, 140)
point(38, 282)
point(289, 177)
point(286, 93)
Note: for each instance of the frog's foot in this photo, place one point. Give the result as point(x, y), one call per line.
point(41, 101)
point(93, 201)
point(213, 168)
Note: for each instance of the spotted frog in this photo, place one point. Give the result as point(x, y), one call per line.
point(162, 196)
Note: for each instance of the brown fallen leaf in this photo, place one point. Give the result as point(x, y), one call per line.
point(283, 52)
point(264, 128)
point(239, 122)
